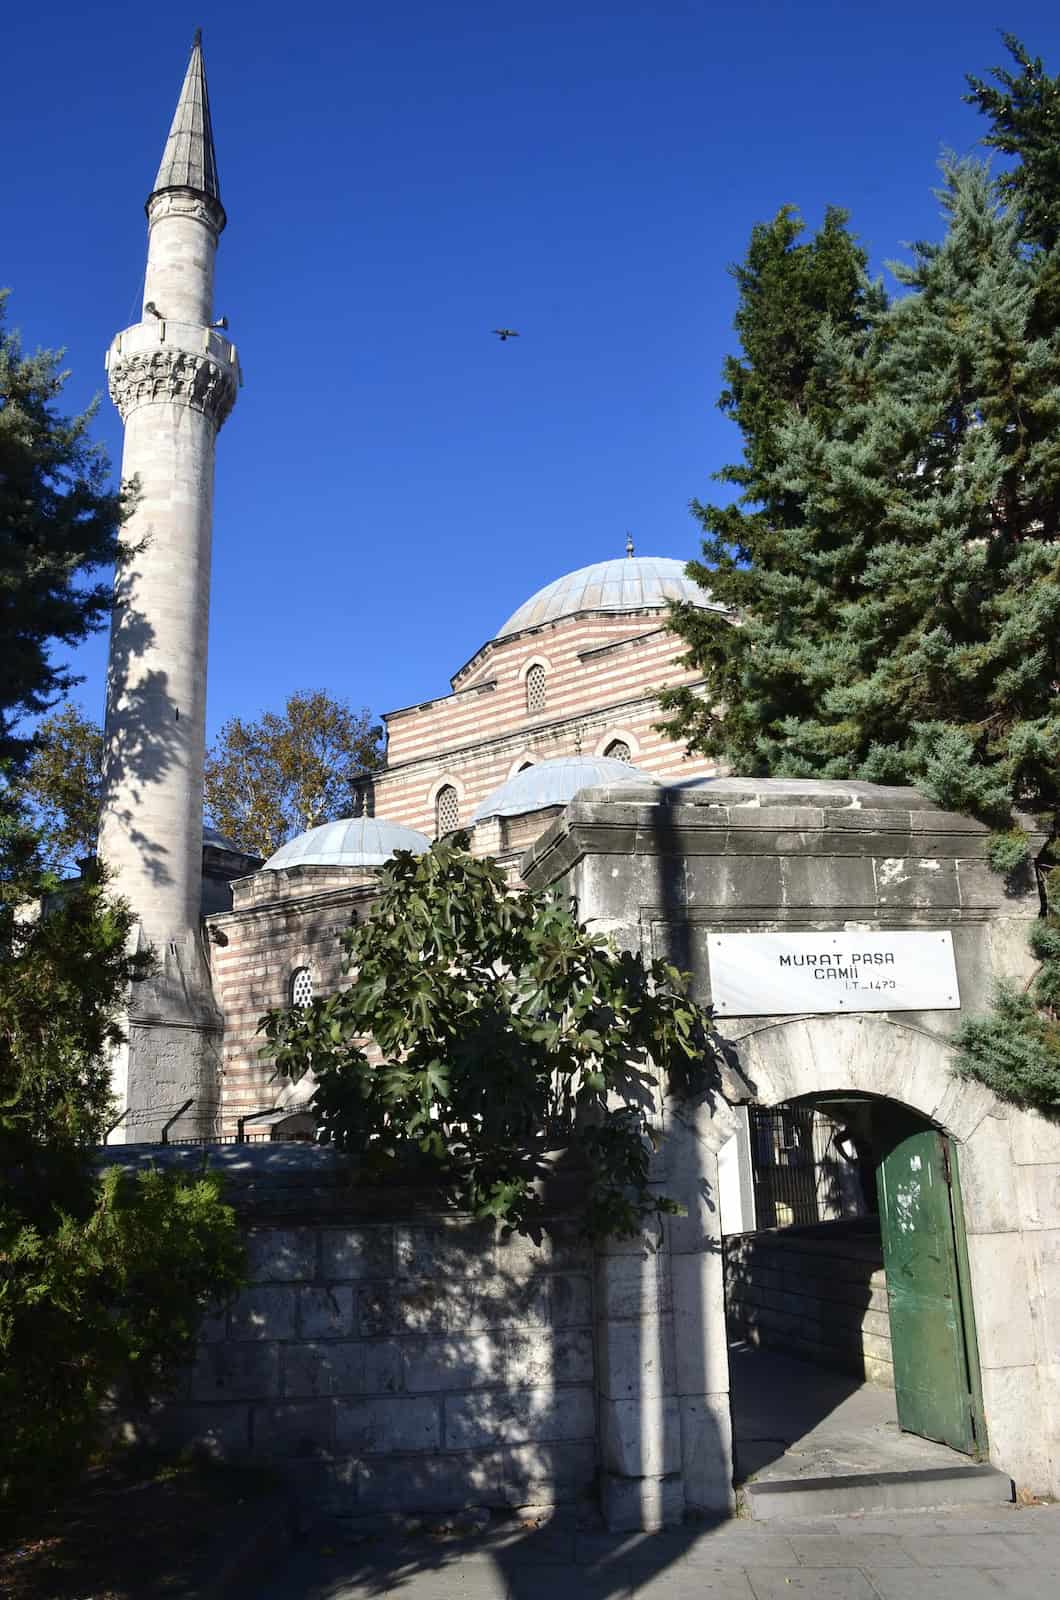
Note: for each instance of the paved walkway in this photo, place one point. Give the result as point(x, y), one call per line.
point(794, 1420)
point(956, 1555)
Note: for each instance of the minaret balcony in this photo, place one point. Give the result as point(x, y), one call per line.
point(162, 360)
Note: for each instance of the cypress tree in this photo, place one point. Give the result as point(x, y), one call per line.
point(59, 522)
point(918, 594)
point(1024, 112)
point(894, 569)
point(795, 295)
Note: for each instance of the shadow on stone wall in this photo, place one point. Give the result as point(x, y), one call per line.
point(144, 738)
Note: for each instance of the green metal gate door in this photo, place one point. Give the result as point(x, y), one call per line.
point(933, 1349)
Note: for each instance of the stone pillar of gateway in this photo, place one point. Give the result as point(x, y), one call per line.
point(763, 889)
point(173, 376)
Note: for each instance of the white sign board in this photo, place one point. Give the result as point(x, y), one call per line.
point(787, 974)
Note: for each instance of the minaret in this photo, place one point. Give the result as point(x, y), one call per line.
point(173, 377)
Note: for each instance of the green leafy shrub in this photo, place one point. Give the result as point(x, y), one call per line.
point(103, 1278)
point(507, 1032)
point(1008, 851)
point(108, 1298)
point(1014, 1050)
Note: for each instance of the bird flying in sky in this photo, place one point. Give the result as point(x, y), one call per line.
point(506, 333)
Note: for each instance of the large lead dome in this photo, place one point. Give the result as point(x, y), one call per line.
point(626, 583)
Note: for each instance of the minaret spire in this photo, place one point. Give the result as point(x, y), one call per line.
point(174, 377)
point(189, 160)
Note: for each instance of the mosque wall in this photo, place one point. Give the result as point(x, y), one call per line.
point(281, 922)
point(601, 677)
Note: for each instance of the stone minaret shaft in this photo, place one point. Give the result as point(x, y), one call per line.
point(174, 378)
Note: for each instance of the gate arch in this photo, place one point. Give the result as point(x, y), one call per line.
point(793, 1057)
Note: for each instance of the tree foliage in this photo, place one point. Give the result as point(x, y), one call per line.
point(59, 521)
point(103, 1279)
point(795, 294)
point(1023, 109)
point(507, 1031)
point(894, 564)
point(62, 786)
point(273, 778)
point(107, 1296)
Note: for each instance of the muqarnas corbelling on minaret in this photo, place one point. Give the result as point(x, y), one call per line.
point(174, 378)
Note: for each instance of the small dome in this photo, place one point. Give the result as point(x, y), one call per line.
point(627, 583)
point(553, 783)
point(350, 842)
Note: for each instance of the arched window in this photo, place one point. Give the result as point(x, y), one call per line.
point(618, 750)
point(535, 688)
point(446, 810)
point(301, 986)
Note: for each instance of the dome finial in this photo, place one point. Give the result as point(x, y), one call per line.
point(629, 543)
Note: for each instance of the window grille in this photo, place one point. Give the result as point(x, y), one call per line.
point(618, 750)
point(301, 986)
point(446, 810)
point(808, 1168)
point(535, 688)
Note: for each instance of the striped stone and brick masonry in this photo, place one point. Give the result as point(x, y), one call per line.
point(602, 674)
point(413, 1362)
point(280, 921)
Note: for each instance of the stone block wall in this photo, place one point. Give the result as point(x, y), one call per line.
point(816, 1293)
point(402, 1365)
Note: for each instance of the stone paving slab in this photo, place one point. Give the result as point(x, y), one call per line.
point(822, 1583)
point(1033, 1583)
point(966, 1550)
point(936, 1583)
point(1008, 1555)
point(694, 1583)
point(742, 1546)
point(849, 1550)
point(570, 1583)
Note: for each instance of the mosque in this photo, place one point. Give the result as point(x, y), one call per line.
point(842, 1194)
point(564, 696)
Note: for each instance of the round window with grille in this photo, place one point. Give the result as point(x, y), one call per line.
point(446, 810)
point(618, 750)
point(301, 986)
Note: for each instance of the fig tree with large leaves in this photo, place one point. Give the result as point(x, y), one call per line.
point(504, 1036)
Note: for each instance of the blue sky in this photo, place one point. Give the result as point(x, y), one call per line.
point(399, 180)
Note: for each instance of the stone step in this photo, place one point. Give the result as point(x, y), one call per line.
point(915, 1489)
